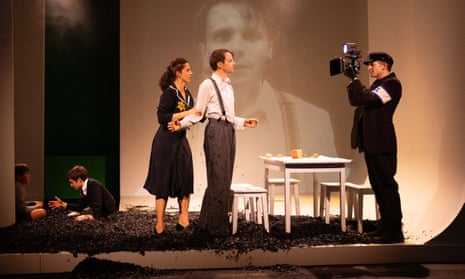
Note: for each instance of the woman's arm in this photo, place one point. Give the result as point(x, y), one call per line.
point(182, 114)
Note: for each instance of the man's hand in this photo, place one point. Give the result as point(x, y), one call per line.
point(251, 122)
point(57, 203)
point(174, 126)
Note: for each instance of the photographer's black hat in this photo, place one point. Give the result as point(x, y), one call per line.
point(379, 56)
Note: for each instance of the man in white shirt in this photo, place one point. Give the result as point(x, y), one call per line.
point(216, 102)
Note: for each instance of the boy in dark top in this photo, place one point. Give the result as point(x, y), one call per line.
point(96, 200)
point(26, 210)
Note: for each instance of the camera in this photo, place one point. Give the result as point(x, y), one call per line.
point(350, 62)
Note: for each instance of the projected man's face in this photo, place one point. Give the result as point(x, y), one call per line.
point(237, 27)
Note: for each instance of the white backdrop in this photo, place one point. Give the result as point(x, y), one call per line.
point(428, 49)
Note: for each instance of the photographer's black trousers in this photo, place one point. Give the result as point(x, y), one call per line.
point(381, 170)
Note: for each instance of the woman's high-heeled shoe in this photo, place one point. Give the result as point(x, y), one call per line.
point(155, 233)
point(180, 227)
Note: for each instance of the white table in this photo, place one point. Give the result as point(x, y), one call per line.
point(321, 164)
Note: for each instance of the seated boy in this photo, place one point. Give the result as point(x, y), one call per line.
point(96, 200)
point(24, 209)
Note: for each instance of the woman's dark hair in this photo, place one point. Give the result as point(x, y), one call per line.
point(77, 172)
point(169, 75)
point(218, 55)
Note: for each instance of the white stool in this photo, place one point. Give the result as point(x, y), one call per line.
point(326, 188)
point(355, 195)
point(257, 200)
point(279, 182)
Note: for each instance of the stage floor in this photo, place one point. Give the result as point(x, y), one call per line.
point(237, 257)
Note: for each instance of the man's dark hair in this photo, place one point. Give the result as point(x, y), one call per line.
point(77, 172)
point(218, 55)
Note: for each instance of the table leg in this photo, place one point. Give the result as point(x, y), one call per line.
point(267, 174)
point(287, 201)
point(315, 197)
point(270, 206)
point(342, 183)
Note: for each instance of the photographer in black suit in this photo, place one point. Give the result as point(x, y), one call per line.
point(377, 139)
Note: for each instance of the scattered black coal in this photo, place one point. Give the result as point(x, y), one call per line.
point(132, 230)
point(97, 268)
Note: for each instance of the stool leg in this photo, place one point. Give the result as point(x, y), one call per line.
point(351, 203)
point(248, 209)
point(258, 210)
point(296, 199)
point(254, 210)
point(327, 205)
point(234, 215)
point(265, 213)
point(230, 213)
point(360, 213)
point(356, 205)
point(322, 200)
point(271, 195)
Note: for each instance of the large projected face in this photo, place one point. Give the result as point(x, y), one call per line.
point(281, 75)
point(236, 26)
point(243, 27)
point(282, 49)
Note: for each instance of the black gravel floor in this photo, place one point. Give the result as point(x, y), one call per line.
point(133, 231)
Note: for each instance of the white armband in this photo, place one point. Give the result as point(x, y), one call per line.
point(382, 94)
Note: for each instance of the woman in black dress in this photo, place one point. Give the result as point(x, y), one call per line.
point(170, 172)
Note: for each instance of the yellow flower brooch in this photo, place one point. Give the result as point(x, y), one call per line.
point(181, 106)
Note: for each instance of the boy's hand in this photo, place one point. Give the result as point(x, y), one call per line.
point(57, 203)
point(73, 214)
point(84, 217)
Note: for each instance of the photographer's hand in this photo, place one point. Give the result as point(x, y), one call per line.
point(350, 73)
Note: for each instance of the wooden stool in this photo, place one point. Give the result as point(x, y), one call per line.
point(279, 182)
point(256, 198)
point(355, 195)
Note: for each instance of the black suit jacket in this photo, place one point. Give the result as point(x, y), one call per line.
point(98, 198)
point(376, 129)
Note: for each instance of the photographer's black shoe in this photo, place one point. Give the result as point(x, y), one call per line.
point(389, 238)
point(377, 232)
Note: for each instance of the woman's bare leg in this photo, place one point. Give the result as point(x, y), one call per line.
point(160, 206)
point(184, 211)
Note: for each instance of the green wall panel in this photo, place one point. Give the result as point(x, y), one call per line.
point(81, 122)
